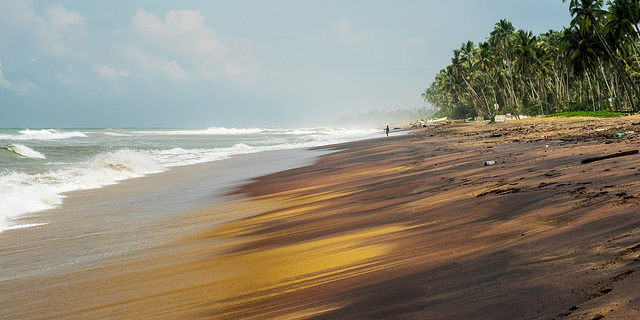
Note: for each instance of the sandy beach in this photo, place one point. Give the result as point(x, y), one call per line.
point(406, 227)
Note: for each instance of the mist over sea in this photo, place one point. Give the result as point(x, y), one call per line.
point(37, 167)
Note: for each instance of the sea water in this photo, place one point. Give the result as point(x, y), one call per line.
point(38, 166)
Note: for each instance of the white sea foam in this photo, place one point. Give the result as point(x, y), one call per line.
point(180, 157)
point(24, 151)
point(223, 131)
point(20, 226)
point(44, 134)
point(116, 134)
point(233, 131)
point(23, 193)
point(209, 131)
point(44, 188)
point(241, 146)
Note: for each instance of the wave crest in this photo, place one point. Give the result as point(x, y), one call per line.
point(124, 164)
point(24, 151)
point(44, 134)
point(22, 193)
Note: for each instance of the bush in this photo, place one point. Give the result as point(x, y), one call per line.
point(594, 114)
point(579, 106)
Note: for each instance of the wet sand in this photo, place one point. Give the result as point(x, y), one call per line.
point(406, 227)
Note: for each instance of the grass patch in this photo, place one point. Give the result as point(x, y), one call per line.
point(594, 114)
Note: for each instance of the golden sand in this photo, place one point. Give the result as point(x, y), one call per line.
point(406, 227)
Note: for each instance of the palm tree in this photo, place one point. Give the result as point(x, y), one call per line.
point(555, 62)
point(588, 15)
point(598, 55)
point(501, 41)
point(486, 63)
point(466, 53)
point(620, 26)
point(620, 20)
point(462, 64)
point(584, 52)
point(525, 64)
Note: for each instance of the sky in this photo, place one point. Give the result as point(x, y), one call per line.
point(241, 63)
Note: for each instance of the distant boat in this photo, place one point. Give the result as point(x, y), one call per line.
point(430, 121)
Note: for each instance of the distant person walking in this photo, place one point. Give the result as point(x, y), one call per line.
point(386, 130)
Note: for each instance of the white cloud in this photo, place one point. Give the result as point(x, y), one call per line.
point(17, 14)
point(183, 32)
point(176, 46)
point(246, 75)
point(171, 69)
point(59, 32)
point(3, 82)
point(109, 73)
point(70, 78)
point(59, 16)
point(345, 33)
point(62, 32)
point(183, 47)
point(22, 88)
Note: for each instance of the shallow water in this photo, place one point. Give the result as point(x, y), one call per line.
point(136, 214)
point(38, 167)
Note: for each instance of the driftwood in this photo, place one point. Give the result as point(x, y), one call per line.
point(620, 154)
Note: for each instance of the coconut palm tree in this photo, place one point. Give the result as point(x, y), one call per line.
point(621, 20)
point(584, 54)
point(555, 62)
point(597, 56)
point(525, 61)
point(463, 66)
point(501, 41)
point(588, 15)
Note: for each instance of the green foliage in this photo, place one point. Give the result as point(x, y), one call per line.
point(594, 65)
point(579, 106)
point(463, 112)
point(594, 114)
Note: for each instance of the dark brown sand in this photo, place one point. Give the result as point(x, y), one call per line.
point(406, 227)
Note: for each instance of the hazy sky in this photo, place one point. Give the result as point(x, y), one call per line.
point(240, 63)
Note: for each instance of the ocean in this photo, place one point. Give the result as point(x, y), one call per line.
point(38, 167)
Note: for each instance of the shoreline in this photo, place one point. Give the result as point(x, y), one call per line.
point(134, 214)
point(411, 226)
point(34, 181)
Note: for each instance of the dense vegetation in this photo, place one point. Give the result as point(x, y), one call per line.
point(593, 65)
point(592, 114)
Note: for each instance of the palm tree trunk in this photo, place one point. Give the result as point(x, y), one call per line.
point(609, 87)
point(590, 90)
point(555, 99)
point(616, 61)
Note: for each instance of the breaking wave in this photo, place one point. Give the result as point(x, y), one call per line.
point(44, 134)
point(118, 154)
point(24, 151)
point(23, 193)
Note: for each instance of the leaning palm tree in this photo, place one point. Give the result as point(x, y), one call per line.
point(526, 63)
point(620, 26)
point(486, 63)
point(464, 71)
point(588, 16)
point(501, 42)
point(620, 20)
point(584, 54)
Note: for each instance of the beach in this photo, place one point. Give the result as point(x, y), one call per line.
point(412, 226)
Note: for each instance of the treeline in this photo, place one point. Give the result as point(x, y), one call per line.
point(594, 64)
point(381, 118)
